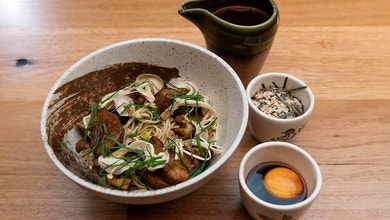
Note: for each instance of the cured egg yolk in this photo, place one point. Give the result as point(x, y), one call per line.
point(283, 182)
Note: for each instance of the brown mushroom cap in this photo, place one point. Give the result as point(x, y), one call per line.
point(163, 98)
point(186, 129)
point(105, 124)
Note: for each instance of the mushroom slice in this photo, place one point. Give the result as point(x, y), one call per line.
point(174, 172)
point(149, 152)
point(183, 102)
point(104, 127)
point(186, 129)
point(148, 85)
point(82, 145)
point(155, 82)
point(124, 104)
point(157, 143)
point(180, 83)
point(164, 98)
point(122, 182)
point(137, 98)
point(114, 165)
point(153, 180)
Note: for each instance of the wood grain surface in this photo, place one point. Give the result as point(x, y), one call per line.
point(341, 49)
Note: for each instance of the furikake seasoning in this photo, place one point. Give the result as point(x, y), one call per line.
point(278, 102)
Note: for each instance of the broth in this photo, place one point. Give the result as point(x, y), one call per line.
point(243, 15)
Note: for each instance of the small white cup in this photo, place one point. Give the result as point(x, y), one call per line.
point(291, 155)
point(268, 128)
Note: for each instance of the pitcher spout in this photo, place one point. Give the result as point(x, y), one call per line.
point(196, 12)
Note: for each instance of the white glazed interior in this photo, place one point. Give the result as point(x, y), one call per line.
point(214, 77)
point(286, 153)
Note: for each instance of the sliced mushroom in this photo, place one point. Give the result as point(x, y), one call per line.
point(124, 105)
point(104, 127)
point(174, 172)
point(149, 152)
point(186, 129)
point(153, 180)
point(163, 98)
point(187, 103)
point(182, 110)
point(114, 165)
point(152, 80)
point(82, 145)
point(157, 143)
point(120, 101)
point(196, 114)
point(121, 182)
point(137, 98)
point(148, 85)
point(188, 159)
point(182, 84)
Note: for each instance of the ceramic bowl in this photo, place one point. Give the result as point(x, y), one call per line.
point(72, 93)
point(290, 155)
point(268, 128)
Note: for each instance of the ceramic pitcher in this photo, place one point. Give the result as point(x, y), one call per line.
point(239, 31)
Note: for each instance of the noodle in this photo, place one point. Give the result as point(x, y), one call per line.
point(168, 127)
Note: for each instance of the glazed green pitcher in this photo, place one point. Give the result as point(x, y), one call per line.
point(239, 31)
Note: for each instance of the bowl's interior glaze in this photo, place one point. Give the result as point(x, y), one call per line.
point(74, 97)
point(74, 91)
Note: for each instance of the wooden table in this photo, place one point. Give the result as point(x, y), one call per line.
point(340, 48)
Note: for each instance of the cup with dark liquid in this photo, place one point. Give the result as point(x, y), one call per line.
point(240, 32)
point(278, 180)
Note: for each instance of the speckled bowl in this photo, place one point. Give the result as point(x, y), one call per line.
point(73, 91)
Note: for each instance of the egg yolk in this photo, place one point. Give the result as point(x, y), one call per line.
point(283, 182)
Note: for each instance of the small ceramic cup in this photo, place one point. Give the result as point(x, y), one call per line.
point(285, 153)
point(269, 128)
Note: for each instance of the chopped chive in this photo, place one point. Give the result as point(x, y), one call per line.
point(285, 82)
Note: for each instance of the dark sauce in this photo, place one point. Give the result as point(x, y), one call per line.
point(255, 182)
point(243, 15)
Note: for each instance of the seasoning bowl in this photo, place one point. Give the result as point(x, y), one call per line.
point(277, 152)
point(88, 80)
point(265, 127)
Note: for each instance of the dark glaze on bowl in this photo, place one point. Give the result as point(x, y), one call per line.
point(74, 97)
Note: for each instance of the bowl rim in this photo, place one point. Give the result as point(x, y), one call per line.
point(157, 192)
point(258, 78)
